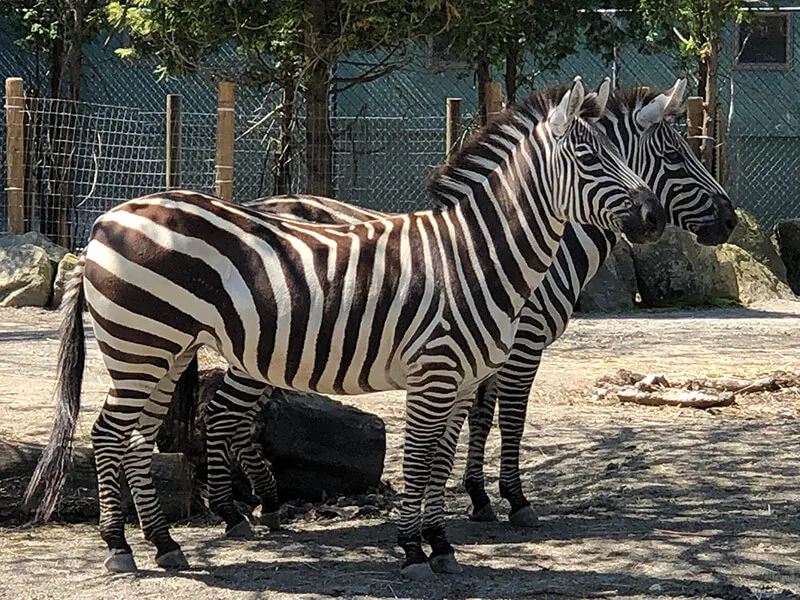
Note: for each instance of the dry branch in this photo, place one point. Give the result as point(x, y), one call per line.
point(673, 397)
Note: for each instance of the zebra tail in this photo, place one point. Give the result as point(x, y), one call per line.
point(183, 408)
point(51, 469)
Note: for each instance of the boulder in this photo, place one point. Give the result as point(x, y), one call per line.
point(748, 235)
point(787, 238)
point(613, 288)
point(675, 271)
point(740, 277)
point(317, 446)
point(26, 276)
point(34, 238)
point(64, 270)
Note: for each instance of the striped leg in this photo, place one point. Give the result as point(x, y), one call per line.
point(258, 473)
point(433, 530)
point(481, 416)
point(513, 390)
point(226, 420)
point(430, 401)
point(132, 384)
point(138, 461)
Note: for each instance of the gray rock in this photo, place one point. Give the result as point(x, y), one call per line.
point(748, 235)
point(318, 446)
point(614, 287)
point(675, 271)
point(34, 238)
point(26, 276)
point(65, 268)
point(740, 277)
point(787, 237)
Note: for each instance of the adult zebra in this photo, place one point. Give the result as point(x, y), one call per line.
point(638, 123)
point(426, 302)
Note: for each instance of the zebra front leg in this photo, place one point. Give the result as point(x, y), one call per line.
point(228, 411)
point(255, 467)
point(429, 402)
point(512, 408)
point(433, 531)
point(481, 416)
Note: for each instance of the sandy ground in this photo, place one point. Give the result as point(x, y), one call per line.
point(635, 502)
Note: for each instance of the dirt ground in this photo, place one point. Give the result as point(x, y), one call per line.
point(634, 501)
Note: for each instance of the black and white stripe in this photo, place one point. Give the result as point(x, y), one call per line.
point(426, 301)
point(638, 124)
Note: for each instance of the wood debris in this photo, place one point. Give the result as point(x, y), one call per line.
point(706, 392)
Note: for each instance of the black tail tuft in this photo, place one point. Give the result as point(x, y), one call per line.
point(51, 470)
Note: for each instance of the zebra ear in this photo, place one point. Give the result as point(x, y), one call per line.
point(567, 110)
point(676, 101)
point(601, 98)
point(654, 111)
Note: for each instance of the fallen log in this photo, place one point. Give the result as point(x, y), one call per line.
point(676, 397)
point(172, 478)
point(317, 447)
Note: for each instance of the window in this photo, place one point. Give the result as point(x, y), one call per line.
point(764, 42)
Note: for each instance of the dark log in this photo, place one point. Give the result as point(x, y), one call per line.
point(317, 447)
point(171, 476)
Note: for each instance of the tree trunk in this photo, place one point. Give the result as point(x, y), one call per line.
point(708, 144)
point(283, 153)
point(512, 55)
point(484, 75)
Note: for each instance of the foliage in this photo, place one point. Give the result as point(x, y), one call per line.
point(695, 24)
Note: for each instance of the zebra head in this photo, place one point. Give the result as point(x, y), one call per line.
point(594, 185)
point(639, 123)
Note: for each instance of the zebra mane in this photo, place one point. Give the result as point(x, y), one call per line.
point(627, 100)
point(449, 183)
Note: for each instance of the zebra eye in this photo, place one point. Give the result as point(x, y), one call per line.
point(672, 155)
point(587, 156)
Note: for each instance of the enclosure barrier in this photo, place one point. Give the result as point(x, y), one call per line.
point(15, 148)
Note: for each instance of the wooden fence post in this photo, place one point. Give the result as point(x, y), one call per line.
point(223, 186)
point(453, 131)
point(173, 141)
point(494, 100)
point(15, 154)
point(694, 123)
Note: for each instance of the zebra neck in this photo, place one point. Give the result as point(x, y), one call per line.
point(505, 245)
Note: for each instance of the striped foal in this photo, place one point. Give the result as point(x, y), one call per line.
point(427, 302)
point(638, 123)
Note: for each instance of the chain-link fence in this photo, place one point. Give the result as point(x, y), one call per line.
point(81, 159)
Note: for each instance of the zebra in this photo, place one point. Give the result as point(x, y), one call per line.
point(426, 301)
point(638, 123)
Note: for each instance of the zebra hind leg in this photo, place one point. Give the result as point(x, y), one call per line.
point(138, 463)
point(230, 408)
point(110, 435)
point(258, 473)
point(481, 416)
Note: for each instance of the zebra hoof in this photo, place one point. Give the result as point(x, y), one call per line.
point(418, 572)
point(524, 518)
point(120, 561)
point(172, 560)
point(446, 563)
point(484, 515)
point(242, 530)
point(270, 519)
